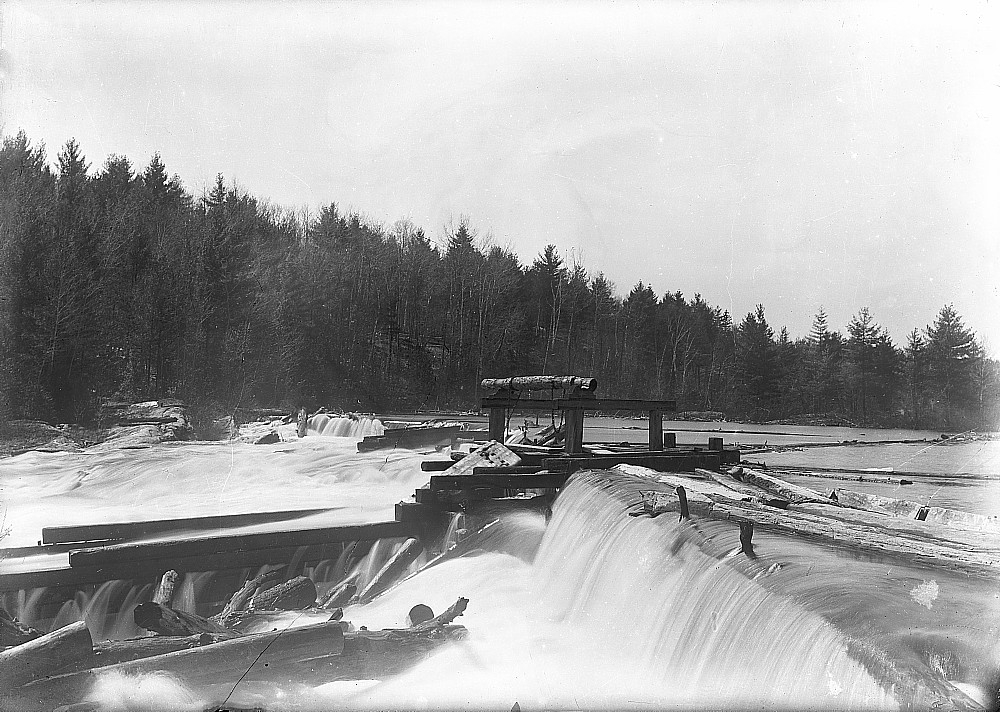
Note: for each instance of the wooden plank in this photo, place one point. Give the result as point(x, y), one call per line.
point(233, 543)
point(962, 520)
point(508, 470)
point(435, 465)
point(744, 489)
point(409, 437)
point(543, 480)
point(74, 534)
point(149, 570)
point(492, 454)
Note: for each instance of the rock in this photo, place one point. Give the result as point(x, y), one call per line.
point(268, 438)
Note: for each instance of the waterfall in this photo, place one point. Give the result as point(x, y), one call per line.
point(345, 426)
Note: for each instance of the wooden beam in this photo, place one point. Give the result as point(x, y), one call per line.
point(662, 462)
point(580, 404)
point(543, 480)
point(408, 437)
point(135, 530)
point(234, 543)
point(655, 430)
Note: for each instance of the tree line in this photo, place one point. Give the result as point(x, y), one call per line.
point(119, 284)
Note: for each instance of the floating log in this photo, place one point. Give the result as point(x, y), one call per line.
point(491, 454)
point(167, 621)
point(745, 490)
point(292, 595)
point(109, 556)
point(393, 568)
point(225, 661)
point(962, 520)
point(853, 475)
point(875, 503)
point(165, 591)
point(44, 655)
point(539, 383)
point(13, 632)
point(124, 531)
point(778, 487)
point(243, 595)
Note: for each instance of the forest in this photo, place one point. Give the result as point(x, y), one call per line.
point(119, 284)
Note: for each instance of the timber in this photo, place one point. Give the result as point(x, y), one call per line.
point(419, 436)
point(165, 591)
point(490, 454)
point(124, 531)
point(292, 595)
point(663, 462)
point(538, 383)
point(888, 506)
point(13, 632)
point(744, 489)
point(45, 655)
point(243, 595)
point(167, 621)
point(391, 570)
point(203, 546)
point(112, 652)
point(583, 404)
point(543, 480)
point(778, 487)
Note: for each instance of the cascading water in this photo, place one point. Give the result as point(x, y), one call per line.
point(344, 426)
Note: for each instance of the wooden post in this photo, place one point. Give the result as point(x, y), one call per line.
point(302, 422)
point(498, 425)
point(574, 431)
point(670, 440)
point(715, 444)
point(746, 539)
point(655, 430)
point(682, 496)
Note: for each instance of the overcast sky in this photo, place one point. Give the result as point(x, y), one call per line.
point(792, 154)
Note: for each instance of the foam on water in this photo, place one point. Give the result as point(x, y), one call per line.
point(345, 426)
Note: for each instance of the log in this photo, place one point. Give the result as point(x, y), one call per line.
point(302, 422)
point(962, 520)
point(112, 652)
point(240, 598)
point(340, 594)
point(451, 613)
point(491, 454)
point(45, 655)
point(13, 632)
point(874, 503)
point(744, 490)
point(223, 662)
point(292, 595)
point(251, 621)
point(778, 487)
point(167, 621)
point(539, 383)
point(124, 531)
point(392, 570)
point(165, 591)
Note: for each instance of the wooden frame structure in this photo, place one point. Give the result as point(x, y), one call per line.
point(573, 396)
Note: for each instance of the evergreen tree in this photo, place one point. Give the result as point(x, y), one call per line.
point(953, 360)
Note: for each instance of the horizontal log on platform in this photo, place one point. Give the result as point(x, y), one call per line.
point(667, 462)
point(778, 487)
point(541, 480)
point(744, 489)
point(538, 383)
point(135, 530)
point(592, 404)
point(206, 546)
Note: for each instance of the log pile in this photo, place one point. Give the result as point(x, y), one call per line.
point(62, 665)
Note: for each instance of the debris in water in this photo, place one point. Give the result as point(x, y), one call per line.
point(925, 593)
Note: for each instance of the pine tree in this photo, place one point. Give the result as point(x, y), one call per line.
point(953, 359)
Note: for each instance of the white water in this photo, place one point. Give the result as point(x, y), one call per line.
point(614, 612)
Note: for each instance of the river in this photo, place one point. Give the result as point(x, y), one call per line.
point(590, 610)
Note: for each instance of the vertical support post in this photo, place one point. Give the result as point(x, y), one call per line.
point(682, 496)
point(498, 425)
point(670, 440)
point(715, 444)
point(746, 539)
point(655, 430)
point(574, 431)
